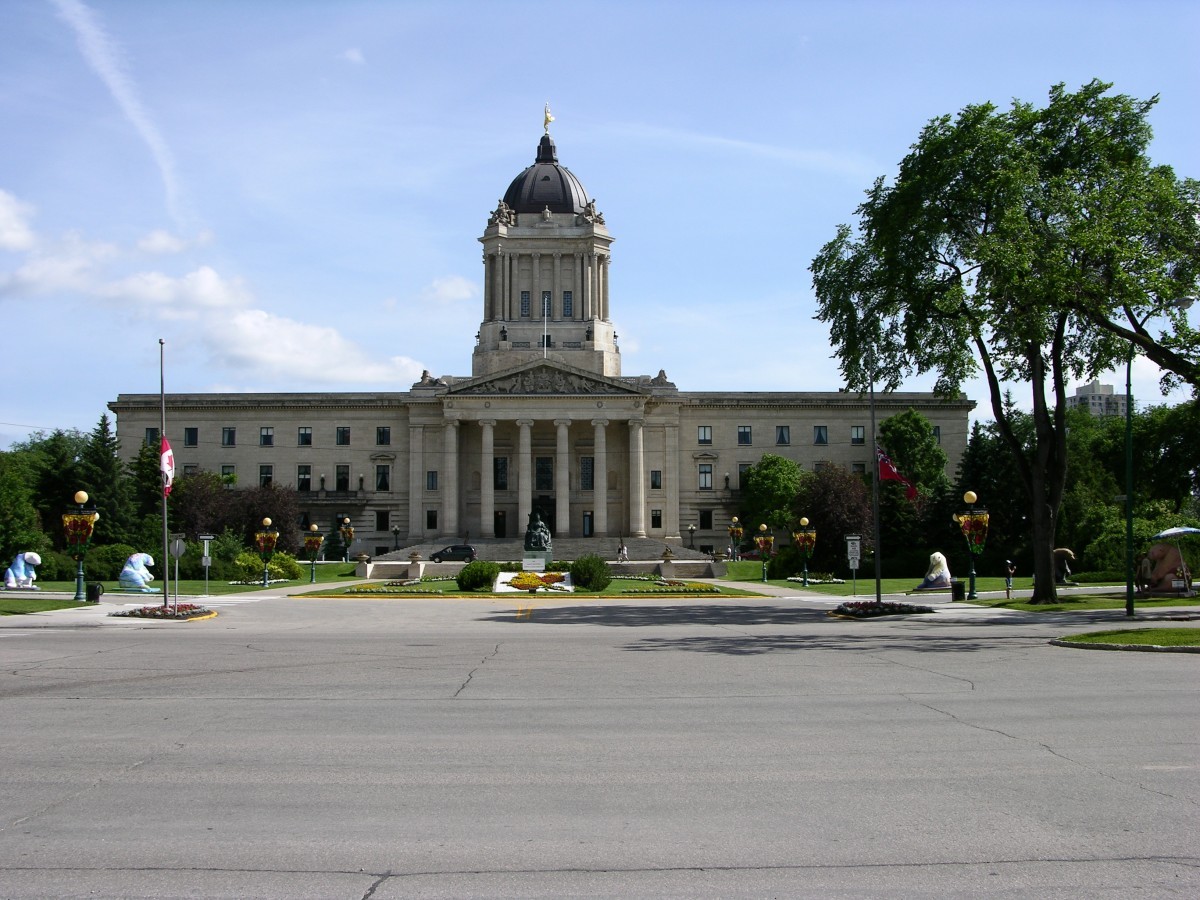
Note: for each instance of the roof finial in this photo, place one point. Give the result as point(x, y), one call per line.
point(549, 118)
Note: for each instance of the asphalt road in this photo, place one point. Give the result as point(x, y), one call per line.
point(642, 748)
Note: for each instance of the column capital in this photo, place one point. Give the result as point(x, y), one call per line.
point(561, 422)
point(486, 423)
point(526, 423)
point(600, 423)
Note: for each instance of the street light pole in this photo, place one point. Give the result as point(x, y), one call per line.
point(805, 540)
point(78, 526)
point(974, 527)
point(312, 545)
point(395, 537)
point(265, 541)
point(692, 537)
point(765, 542)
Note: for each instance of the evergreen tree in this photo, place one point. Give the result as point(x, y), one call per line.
point(103, 476)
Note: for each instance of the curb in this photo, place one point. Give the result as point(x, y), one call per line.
point(1140, 648)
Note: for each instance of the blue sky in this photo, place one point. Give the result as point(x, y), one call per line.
point(289, 193)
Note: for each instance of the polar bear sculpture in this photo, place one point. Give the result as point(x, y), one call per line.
point(135, 576)
point(20, 575)
point(937, 576)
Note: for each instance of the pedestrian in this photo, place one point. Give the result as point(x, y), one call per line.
point(622, 552)
point(1009, 571)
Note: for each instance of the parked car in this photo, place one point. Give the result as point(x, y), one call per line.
point(455, 553)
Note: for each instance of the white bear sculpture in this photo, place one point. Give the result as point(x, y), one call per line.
point(135, 576)
point(937, 576)
point(20, 575)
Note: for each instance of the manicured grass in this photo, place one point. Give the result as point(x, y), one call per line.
point(1074, 602)
point(195, 587)
point(12, 604)
point(617, 588)
point(1159, 637)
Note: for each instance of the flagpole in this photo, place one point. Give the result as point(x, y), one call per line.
point(162, 433)
point(875, 499)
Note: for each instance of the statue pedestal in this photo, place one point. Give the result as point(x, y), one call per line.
point(536, 560)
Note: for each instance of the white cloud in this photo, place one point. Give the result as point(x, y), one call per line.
point(200, 292)
point(104, 56)
point(354, 55)
point(15, 233)
point(161, 242)
point(450, 289)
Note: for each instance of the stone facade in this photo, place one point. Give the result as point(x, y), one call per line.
point(546, 417)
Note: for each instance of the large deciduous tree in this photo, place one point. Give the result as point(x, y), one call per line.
point(1036, 245)
point(768, 492)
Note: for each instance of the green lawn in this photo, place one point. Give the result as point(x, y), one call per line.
point(1160, 637)
point(14, 604)
point(195, 587)
point(1108, 600)
point(618, 587)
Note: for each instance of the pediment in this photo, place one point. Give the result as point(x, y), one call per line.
point(544, 379)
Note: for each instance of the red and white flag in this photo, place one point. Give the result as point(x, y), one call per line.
point(889, 472)
point(167, 464)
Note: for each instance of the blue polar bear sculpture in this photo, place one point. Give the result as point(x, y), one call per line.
point(135, 576)
point(20, 575)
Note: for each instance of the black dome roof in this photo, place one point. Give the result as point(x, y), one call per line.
point(546, 183)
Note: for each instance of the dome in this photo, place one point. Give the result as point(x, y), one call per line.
point(546, 183)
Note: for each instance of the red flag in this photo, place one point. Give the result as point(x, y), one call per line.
point(889, 472)
point(167, 465)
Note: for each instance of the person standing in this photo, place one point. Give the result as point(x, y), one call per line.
point(1009, 571)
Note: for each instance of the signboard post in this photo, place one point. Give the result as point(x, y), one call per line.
point(178, 548)
point(854, 554)
point(206, 557)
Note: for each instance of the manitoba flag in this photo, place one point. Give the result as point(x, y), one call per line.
point(889, 472)
point(167, 464)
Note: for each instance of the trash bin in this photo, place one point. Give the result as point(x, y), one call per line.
point(94, 590)
point(958, 590)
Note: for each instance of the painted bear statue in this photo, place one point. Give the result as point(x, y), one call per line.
point(135, 576)
point(21, 575)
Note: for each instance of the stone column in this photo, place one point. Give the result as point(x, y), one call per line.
point(416, 482)
point(671, 480)
point(502, 259)
point(562, 479)
point(536, 289)
point(604, 294)
point(577, 286)
point(637, 481)
point(600, 478)
point(588, 297)
point(556, 286)
point(450, 477)
point(524, 474)
point(487, 484)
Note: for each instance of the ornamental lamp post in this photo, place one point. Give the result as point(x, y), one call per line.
point(312, 546)
point(347, 531)
point(806, 540)
point(78, 525)
point(974, 525)
point(764, 541)
point(265, 541)
point(692, 536)
point(395, 537)
point(735, 538)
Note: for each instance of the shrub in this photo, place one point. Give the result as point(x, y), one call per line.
point(283, 567)
point(56, 566)
point(591, 573)
point(105, 563)
point(477, 576)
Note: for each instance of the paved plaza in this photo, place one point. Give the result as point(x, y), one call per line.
point(648, 747)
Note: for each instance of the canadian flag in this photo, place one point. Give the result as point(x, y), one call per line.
point(167, 464)
point(889, 472)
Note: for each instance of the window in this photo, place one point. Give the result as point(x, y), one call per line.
point(265, 474)
point(706, 520)
point(656, 479)
point(656, 518)
point(820, 466)
point(546, 304)
point(304, 436)
point(500, 473)
point(543, 473)
point(820, 434)
point(343, 436)
point(703, 434)
point(587, 473)
point(383, 478)
point(705, 477)
point(191, 437)
point(524, 304)
point(858, 468)
point(228, 436)
point(190, 470)
point(743, 468)
point(744, 435)
point(937, 433)
point(229, 475)
point(341, 478)
point(382, 520)
point(431, 480)
point(152, 437)
point(858, 435)
point(266, 437)
point(303, 479)
point(431, 519)
point(568, 305)
point(383, 436)
point(783, 434)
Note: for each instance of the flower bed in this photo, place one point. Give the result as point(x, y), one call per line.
point(674, 587)
point(175, 611)
point(870, 609)
point(532, 581)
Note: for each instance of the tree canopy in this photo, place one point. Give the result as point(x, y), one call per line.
point(1033, 245)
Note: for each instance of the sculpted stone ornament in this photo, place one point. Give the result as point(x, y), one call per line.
point(537, 534)
point(135, 576)
point(503, 215)
point(20, 575)
point(544, 380)
point(937, 576)
point(591, 214)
